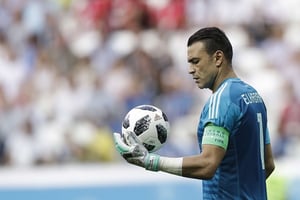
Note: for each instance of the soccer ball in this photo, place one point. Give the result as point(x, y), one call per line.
point(150, 124)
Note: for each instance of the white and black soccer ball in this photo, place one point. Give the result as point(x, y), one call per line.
point(150, 124)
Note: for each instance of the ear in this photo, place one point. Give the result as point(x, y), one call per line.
point(219, 58)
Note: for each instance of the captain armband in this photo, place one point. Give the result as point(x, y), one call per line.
point(215, 135)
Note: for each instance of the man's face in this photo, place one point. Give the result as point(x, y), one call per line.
point(202, 66)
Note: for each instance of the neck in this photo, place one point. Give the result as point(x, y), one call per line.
point(222, 75)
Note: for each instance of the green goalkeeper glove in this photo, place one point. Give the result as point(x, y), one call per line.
point(134, 152)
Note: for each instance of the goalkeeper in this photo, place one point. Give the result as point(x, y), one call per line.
point(235, 152)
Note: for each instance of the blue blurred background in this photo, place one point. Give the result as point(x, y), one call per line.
point(71, 70)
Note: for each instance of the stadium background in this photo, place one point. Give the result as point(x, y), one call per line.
point(70, 70)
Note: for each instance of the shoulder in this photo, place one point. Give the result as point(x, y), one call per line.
point(224, 99)
point(235, 90)
point(228, 91)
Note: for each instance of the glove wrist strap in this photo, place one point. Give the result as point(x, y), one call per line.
point(152, 162)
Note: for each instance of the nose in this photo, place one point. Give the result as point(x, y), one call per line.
point(191, 69)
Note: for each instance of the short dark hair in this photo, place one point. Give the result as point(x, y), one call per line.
point(214, 39)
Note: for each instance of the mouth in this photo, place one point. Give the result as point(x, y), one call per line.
point(196, 79)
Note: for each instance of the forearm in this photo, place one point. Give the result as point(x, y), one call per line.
point(198, 167)
point(192, 167)
point(269, 161)
point(269, 169)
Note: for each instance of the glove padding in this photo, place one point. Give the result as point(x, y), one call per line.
point(134, 152)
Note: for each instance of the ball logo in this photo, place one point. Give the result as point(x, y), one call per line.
point(157, 117)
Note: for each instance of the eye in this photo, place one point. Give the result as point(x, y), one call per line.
point(194, 61)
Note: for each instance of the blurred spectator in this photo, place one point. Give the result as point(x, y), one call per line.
point(21, 145)
point(168, 15)
point(289, 125)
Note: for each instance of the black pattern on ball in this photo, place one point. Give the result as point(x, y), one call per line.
point(147, 107)
point(149, 147)
point(126, 122)
point(161, 133)
point(165, 116)
point(142, 125)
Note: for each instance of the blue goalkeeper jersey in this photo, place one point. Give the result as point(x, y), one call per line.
point(237, 107)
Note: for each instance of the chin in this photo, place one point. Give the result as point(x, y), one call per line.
point(201, 86)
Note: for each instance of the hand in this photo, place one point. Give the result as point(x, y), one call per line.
point(134, 152)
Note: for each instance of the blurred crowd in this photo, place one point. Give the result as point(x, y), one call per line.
point(71, 70)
